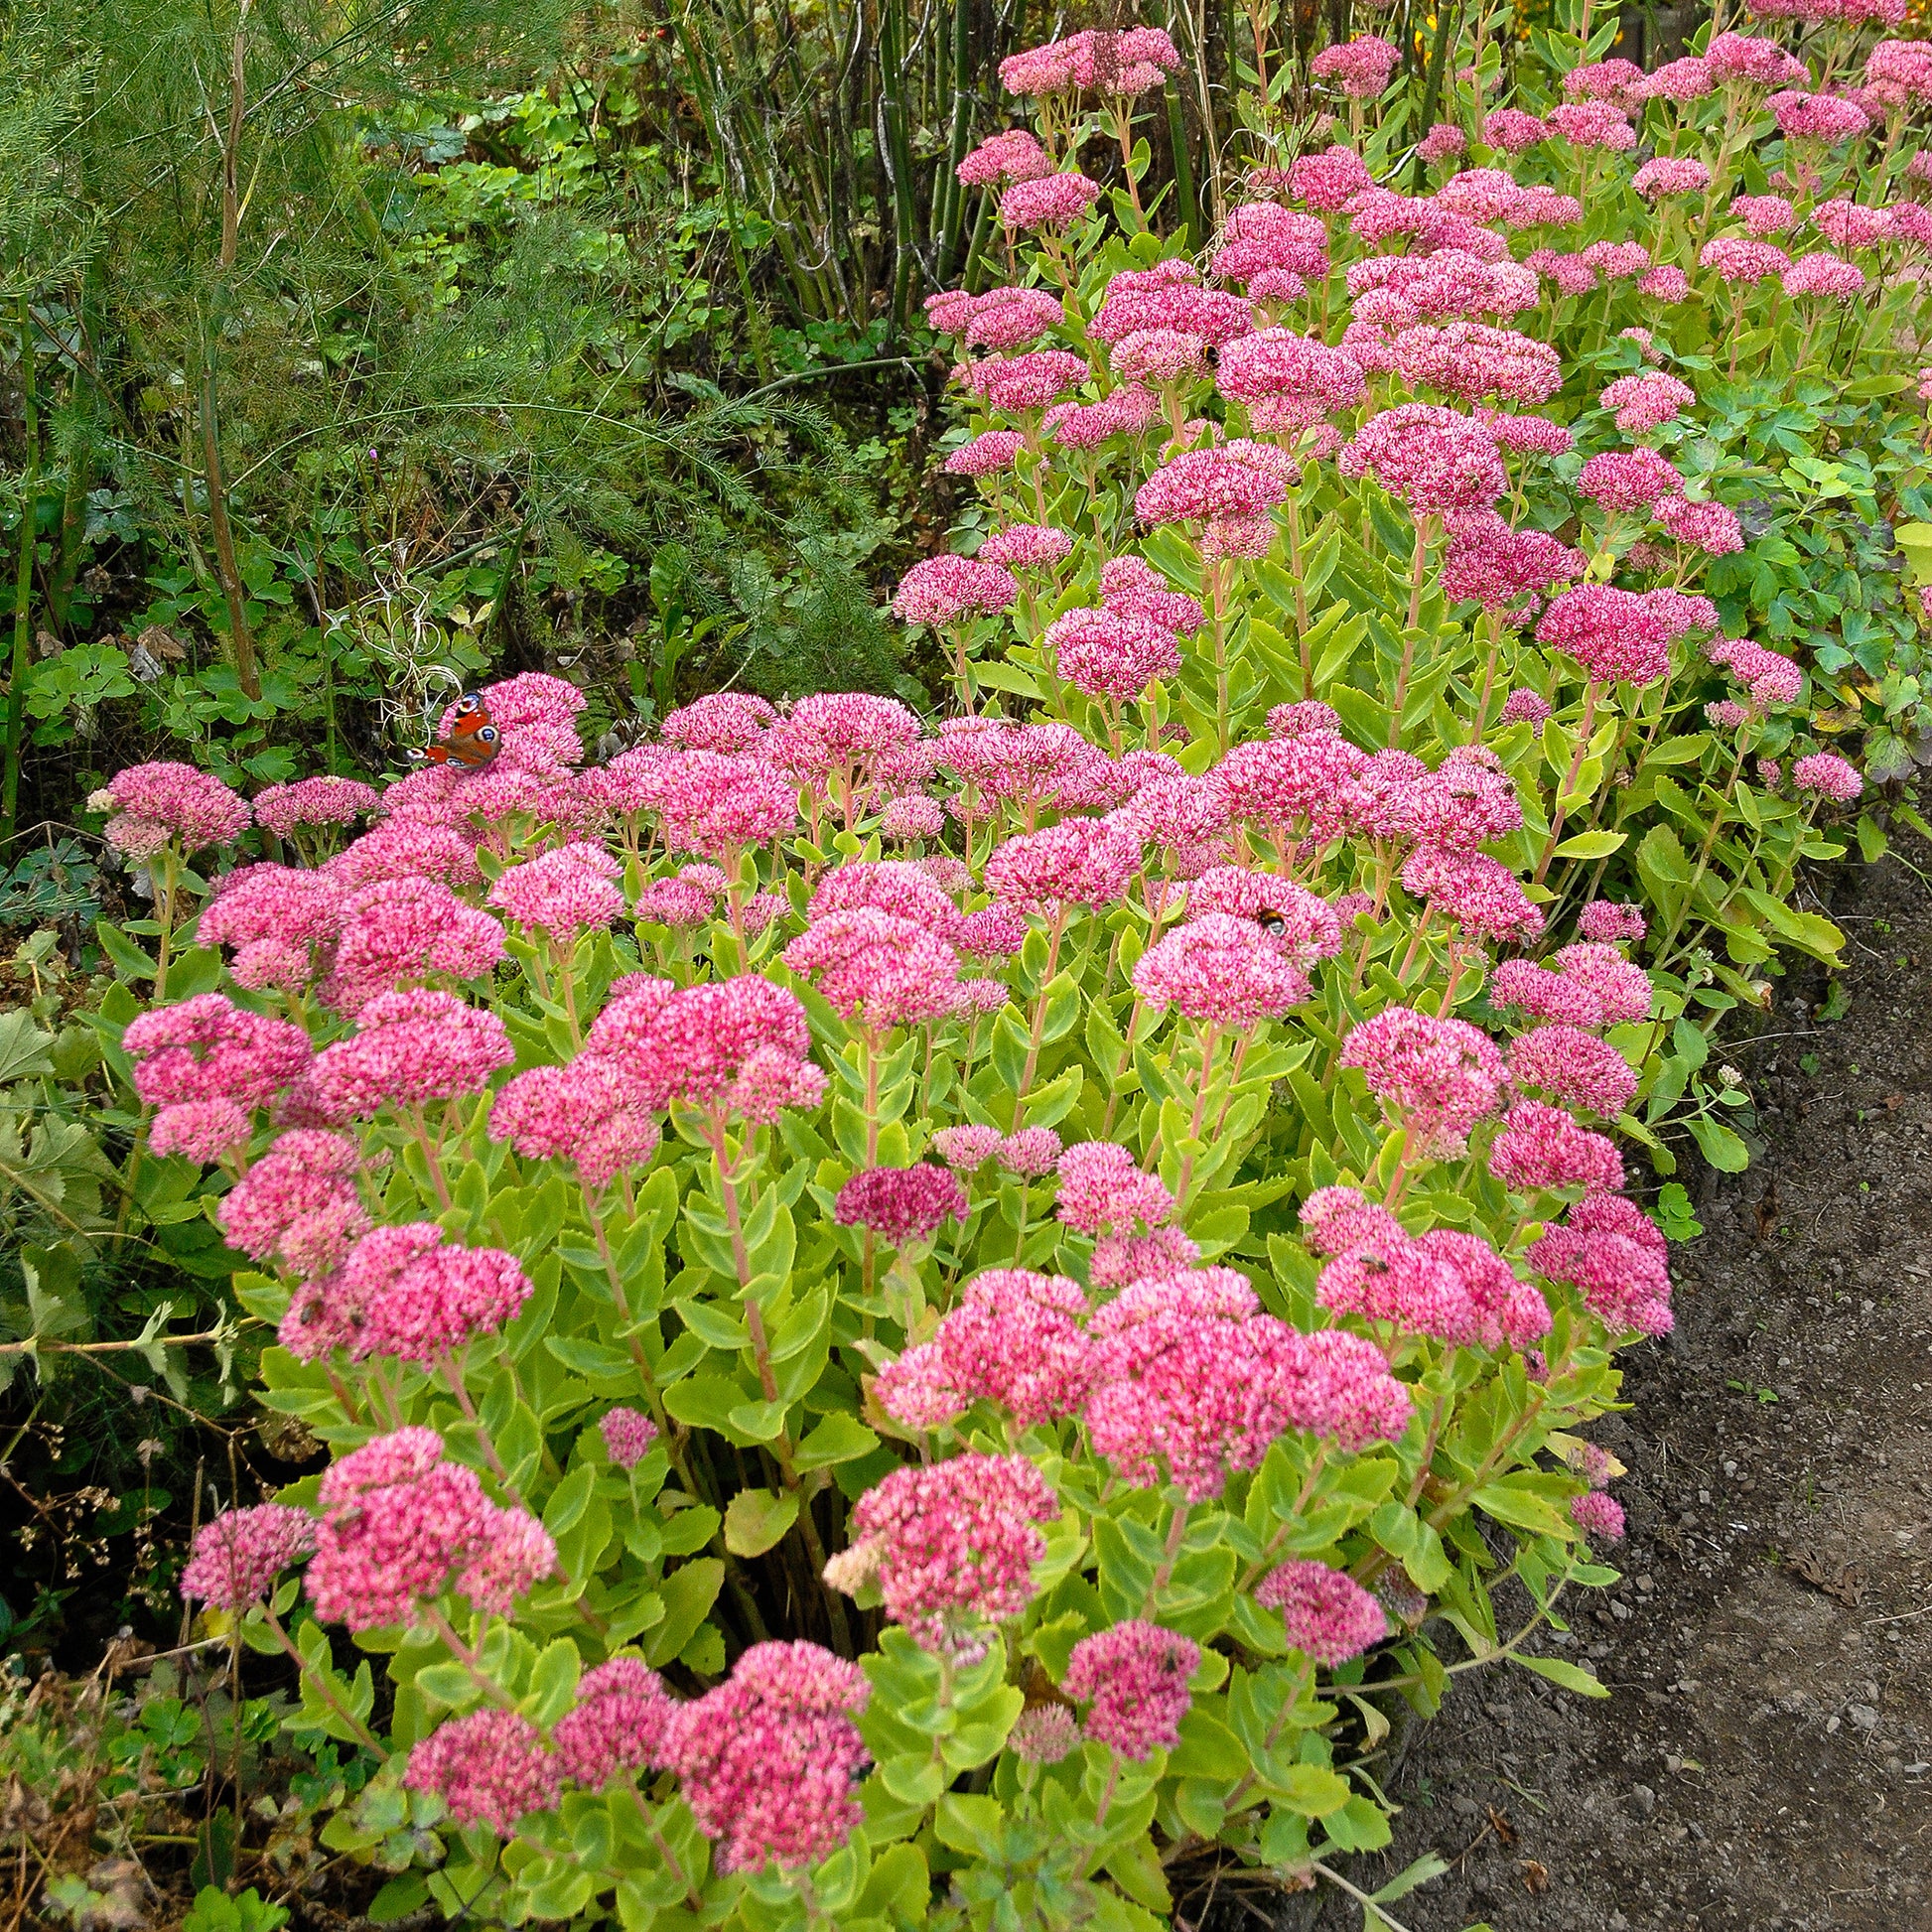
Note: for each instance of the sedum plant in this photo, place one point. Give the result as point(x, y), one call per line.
point(941, 1320)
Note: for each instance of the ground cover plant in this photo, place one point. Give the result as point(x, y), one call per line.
point(937, 1319)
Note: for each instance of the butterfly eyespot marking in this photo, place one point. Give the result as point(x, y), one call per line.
point(488, 734)
point(469, 702)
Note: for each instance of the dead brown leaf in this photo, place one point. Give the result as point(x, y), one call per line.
point(1536, 1874)
point(1500, 1825)
point(1767, 1210)
point(1844, 1581)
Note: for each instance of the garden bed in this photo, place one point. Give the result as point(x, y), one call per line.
point(1770, 1714)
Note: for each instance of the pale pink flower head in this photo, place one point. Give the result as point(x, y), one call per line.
point(1607, 922)
point(155, 804)
point(902, 887)
point(1852, 224)
point(1765, 214)
point(1506, 570)
point(1542, 1147)
point(967, 1146)
point(1667, 283)
point(1737, 259)
point(1444, 142)
point(1102, 1188)
point(1671, 175)
point(1478, 893)
point(1513, 131)
point(409, 1049)
point(914, 816)
point(1629, 482)
point(1325, 1614)
point(283, 809)
point(1524, 706)
point(205, 1131)
point(1440, 1076)
point(1300, 923)
point(1160, 358)
point(1647, 402)
point(726, 722)
point(1616, 635)
point(870, 964)
point(1829, 775)
point(404, 1290)
point(1121, 1259)
point(1134, 1679)
point(1592, 125)
point(400, 931)
point(563, 893)
point(1432, 459)
point(399, 1525)
point(1221, 970)
point(1329, 179)
point(1200, 485)
point(1621, 82)
point(1044, 1734)
point(1829, 277)
point(1713, 528)
point(737, 1045)
point(306, 1174)
point(1008, 318)
point(628, 1435)
point(208, 1048)
point(954, 1545)
point(1825, 118)
point(987, 454)
point(1111, 653)
point(901, 1204)
point(1741, 59)
point(1472, 360)
point(770, 1761)
point(917, 1392)
point(1018, 1339)
point(1611, 1251)
point(1359, 68)
point(1262, 238)
point(585, 1112)
point(1898, 74)
point(1168, 296)
point(618, 1724)
point(1026, 546)
point(681, 903)
point(1573, 1068)
point(1681, 80)
point(490, 1769)
point(943, 589)
point(838, 733)
point(236, 1559)
point(1013, 153)
point(1030, 1152)
point(1599, 1516)
point(1078, 862)
point(1288, 381)
point(1049, 202)
point(275, 918)
point(1621, 990)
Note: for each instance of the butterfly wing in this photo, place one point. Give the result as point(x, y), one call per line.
point(472, 740)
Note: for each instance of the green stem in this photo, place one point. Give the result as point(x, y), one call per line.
point(30, 496)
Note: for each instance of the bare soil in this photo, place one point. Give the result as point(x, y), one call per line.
point(1764, 1759)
